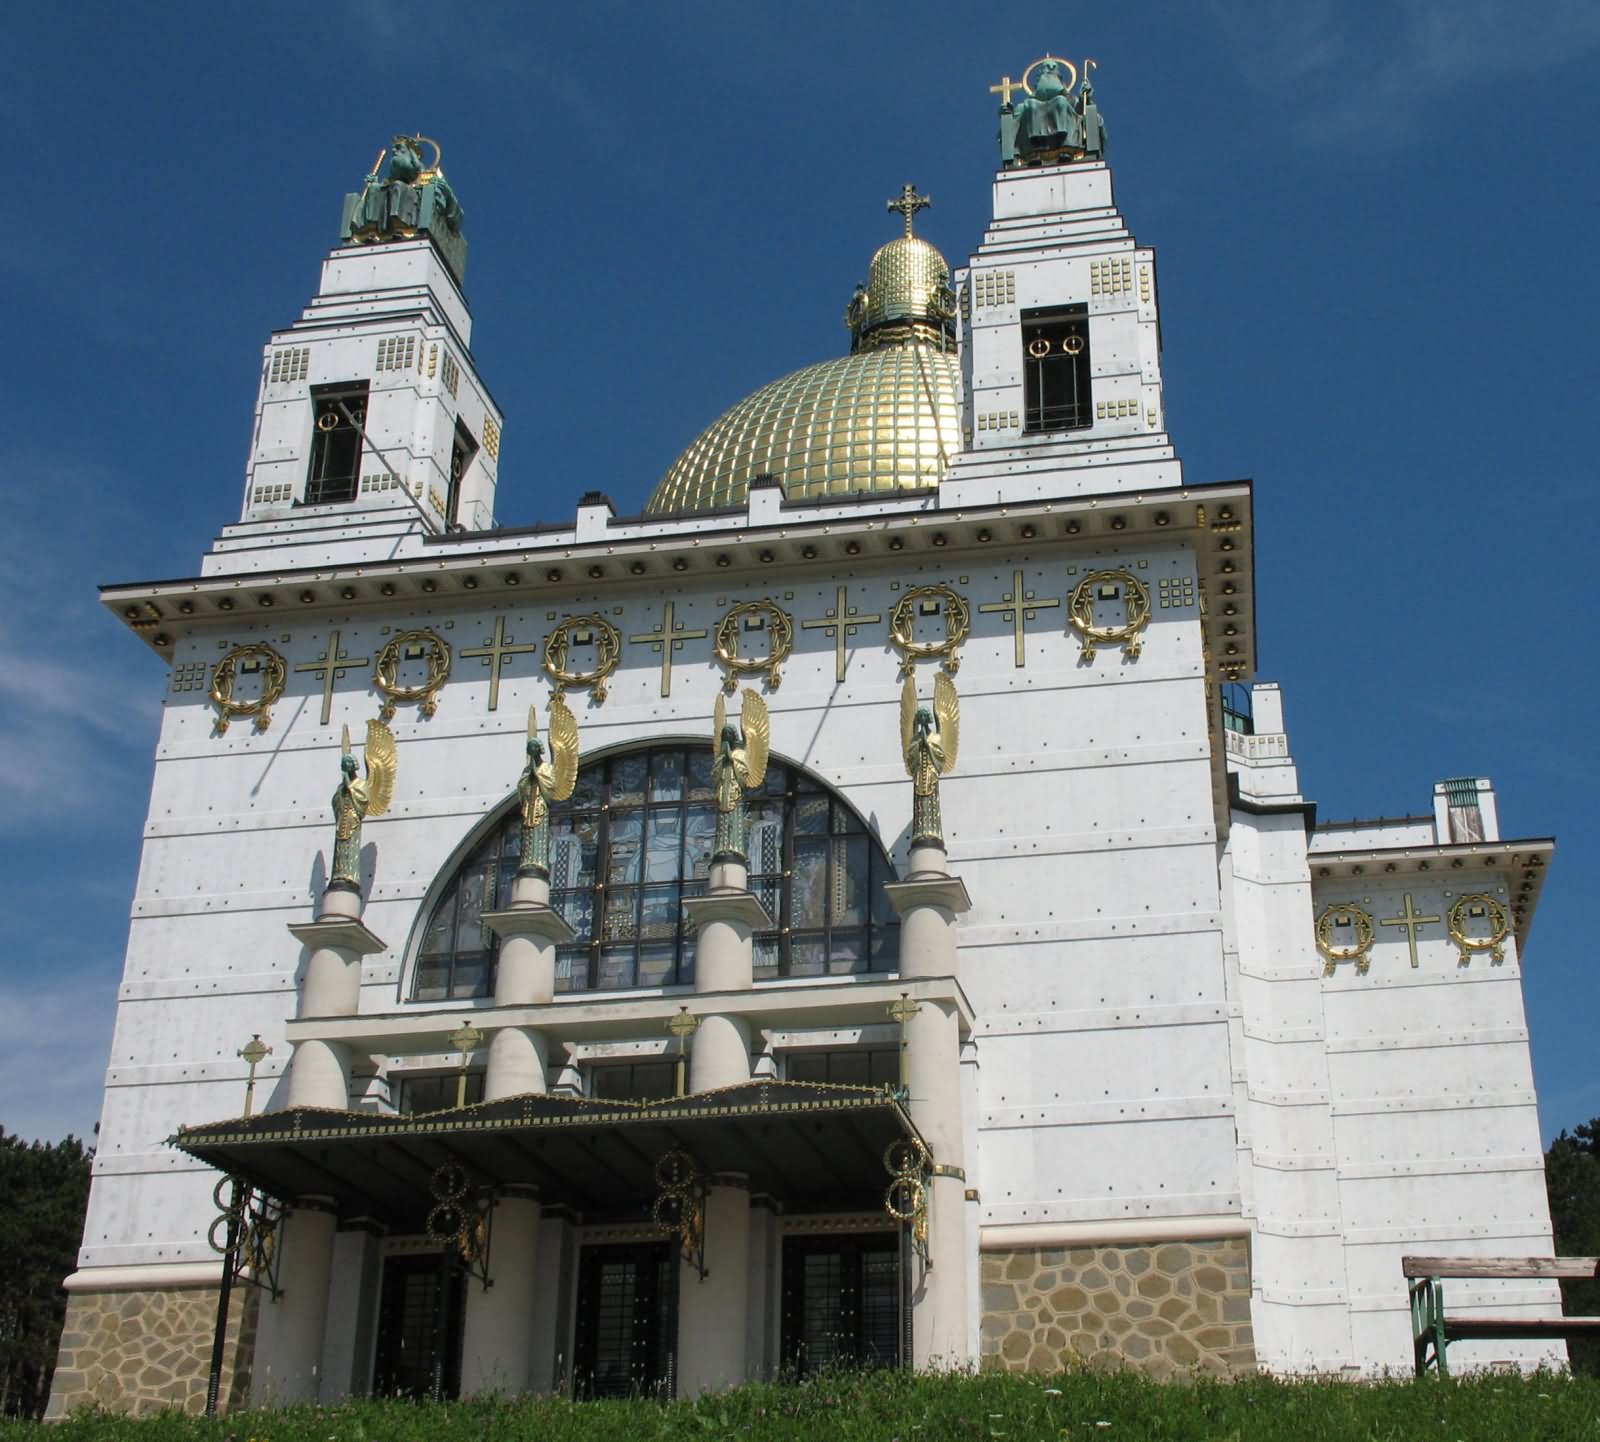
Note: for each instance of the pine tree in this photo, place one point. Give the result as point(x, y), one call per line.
point(1572, 1178)
point(44, 1187)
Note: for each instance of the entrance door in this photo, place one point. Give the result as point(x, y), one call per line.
point(627, 1320)
point(841, 1301)
point(419, 1328)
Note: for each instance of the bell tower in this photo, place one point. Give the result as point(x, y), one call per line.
point(371, 412)
point(1060, 337)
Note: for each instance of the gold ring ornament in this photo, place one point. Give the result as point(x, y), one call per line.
point(1479, 906)
point(1135, 598)
point(1044, 60)
point(592, 630)
point(1345, 913)
point(328, 421)
point(1039, 347)
point(907, 1161)
point(1072, 344)
point(411, 646)
point(772, 619)
point(929, 600)
point(249, 659)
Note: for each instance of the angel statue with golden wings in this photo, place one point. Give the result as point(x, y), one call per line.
point(545, 781)
point(740, 765)
point(930, 752)
point(355, 800)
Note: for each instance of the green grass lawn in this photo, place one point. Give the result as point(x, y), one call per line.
point(895, 1407)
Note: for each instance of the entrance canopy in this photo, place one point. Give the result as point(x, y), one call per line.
point(810, 1146)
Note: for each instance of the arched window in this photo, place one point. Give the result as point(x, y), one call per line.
point(633, 841)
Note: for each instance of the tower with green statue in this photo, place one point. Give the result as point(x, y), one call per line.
point(412, 199)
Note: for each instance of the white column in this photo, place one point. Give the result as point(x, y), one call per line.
point(353, 1299)
point(319, 1073)
point(530, 930)
point(929, 901)
point(289, 1342)
point(726, 919)
point(497, 1349)
point(713, 1311)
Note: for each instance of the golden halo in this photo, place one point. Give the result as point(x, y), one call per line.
point(438, 153)
point(1071, 84)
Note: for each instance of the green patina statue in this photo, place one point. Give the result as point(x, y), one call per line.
point(1051, 123)
point(356, 799)
point(739, 765)
point(545, 781)
point(412, 199)
point(929, 742)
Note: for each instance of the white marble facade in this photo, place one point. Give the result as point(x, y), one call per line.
point(1152, 1046)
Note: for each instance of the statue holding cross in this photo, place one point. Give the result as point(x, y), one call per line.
point(1056, 120)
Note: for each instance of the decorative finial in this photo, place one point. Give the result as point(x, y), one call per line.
point(254, 1052)
point(908, 203)
point(466, 1038)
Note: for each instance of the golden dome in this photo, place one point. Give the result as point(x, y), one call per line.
point(885, 418)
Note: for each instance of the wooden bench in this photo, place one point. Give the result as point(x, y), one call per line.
point(1432, 1330)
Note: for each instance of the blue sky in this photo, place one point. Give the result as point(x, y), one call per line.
point(1375, 226)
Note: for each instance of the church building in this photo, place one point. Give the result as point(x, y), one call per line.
point(862, 911)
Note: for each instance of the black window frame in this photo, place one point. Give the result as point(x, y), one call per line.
point(455, 956)
point(333, 470)
point(1057, 370)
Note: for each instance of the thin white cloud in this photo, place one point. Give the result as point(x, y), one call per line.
point(62, 1033)
point(1378, 75)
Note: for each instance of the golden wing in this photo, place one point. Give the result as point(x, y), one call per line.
point(563, 748)
point(947, 714)
point(381, 755)
point(908, 719)
point(719, 719)
point(757, 737)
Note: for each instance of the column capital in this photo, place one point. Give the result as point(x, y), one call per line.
point(542, 922)
point(740, 907)
point(949, 892)
point(347, 933)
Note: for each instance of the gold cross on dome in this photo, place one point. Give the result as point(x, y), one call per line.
point(332, 664)
point(840, 623)
point(1005, 87)
point(1412, 922)
point(668, 639)
point(494, 652)
point(908, 203)
point(1018, 607)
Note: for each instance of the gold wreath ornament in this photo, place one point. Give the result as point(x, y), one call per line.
point(225, 677)
point(1480, 904)
point(903, 628)
point(1136, 601)
point(1335, 955)
point(409, 645)
point(607, 649)
point(780, 633)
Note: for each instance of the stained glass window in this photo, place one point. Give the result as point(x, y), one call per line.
point(634, 840)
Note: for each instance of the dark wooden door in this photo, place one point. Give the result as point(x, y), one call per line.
point(841, 1302)
point(419, 1328)
point(627, 1324)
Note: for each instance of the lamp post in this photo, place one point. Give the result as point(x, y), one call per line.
point(466, 1038)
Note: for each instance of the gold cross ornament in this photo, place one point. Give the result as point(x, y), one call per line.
point(331, 664)
point(1411, 922)
point(1005, 87)
point(668, 639)
point(839, 623)
point(908, 203)
point(494, 652)
point(1018, 607)
point(255, 1051)
point(466, 1039)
